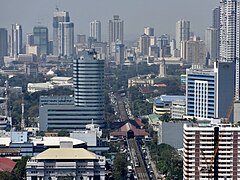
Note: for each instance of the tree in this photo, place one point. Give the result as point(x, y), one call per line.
point(119, 167)
point(20, 168)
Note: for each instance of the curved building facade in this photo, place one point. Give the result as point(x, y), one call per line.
point(88, 81)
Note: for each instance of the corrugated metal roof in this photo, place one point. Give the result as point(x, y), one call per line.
point(66, 153)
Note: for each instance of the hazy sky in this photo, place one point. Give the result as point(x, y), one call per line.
point(160, 14)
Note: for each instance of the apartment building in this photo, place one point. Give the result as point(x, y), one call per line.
point(211, 150)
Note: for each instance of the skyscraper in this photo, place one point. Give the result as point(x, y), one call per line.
point(212, 43)
point(59, 16)
point(88, 81)
point(182, 32)
point(116, 30)
point(216, 18)
point(40, 39)
point(95, 30)
point(229, 36)
point(3, 43)
point(144, 43)
point(16, 40)
point(66, 38)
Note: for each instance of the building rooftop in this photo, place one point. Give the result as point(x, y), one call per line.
point(55, 141)
point(7, 164)
point(66, 153)
point(170, 98)
point(57, 78)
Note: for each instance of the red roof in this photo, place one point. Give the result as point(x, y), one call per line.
point(6, 164)
point(128, 126)
point(139, 122)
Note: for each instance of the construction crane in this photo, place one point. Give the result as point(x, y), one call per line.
point(213, 164)
point(229, 111)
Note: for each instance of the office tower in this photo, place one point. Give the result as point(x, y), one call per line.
point(40, 39)
point(212, 43)
point(81, 39)
point(16, 40)
point(59, 16)
point(3, 43)
point(206, 92)
point(216, 18)
point(144, 43)
point(182, 32)
point(95, 30)
point(199, 159)
point(149, 31)
point(229, 36)
point(116, 26)
point(66, 38)
point(196, 52)
point(88, 81)
point(29, 39)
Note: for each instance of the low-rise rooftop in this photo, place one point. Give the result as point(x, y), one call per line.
point(66, 153)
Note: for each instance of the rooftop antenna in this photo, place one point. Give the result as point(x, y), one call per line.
point(57, 5)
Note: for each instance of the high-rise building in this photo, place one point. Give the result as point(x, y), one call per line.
point(95, 30)
point(66, 38)
point(206, 92)
point(88, 81)
point(229, 36)
point(212, 43)
point(195, 52)
point(149, 31)
point(216, 18)
point(3, 43)
point(144, 43)
point(182, 32)
point(211, 150)
point(16, 40)
point(40, 39)
point(59, 16)
point(116, 28)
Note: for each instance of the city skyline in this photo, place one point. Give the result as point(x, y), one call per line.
point(40, 14)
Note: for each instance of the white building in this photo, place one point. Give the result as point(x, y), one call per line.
point(16, 40)
point(178, 109)
point(95, 30)
point(201, 160)
point(78, 164)
point(34, 87)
